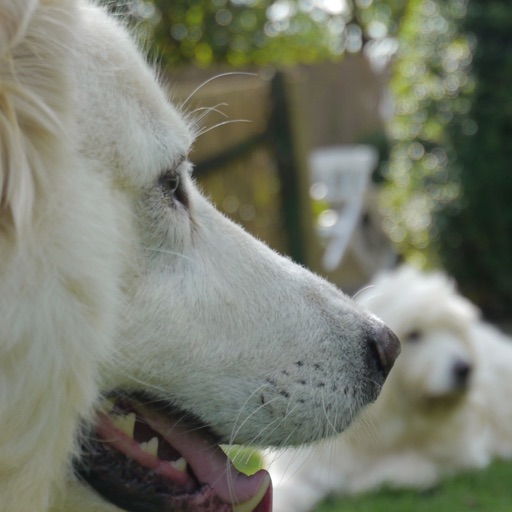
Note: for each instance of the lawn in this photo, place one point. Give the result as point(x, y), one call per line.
point(480, 491)
point(487, 490)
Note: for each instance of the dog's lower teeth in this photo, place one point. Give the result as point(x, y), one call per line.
point(179, 464)
point(124, 423)
point(150, 446)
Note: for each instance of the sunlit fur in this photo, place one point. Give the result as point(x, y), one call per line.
point(424, 424)
point(107, 283)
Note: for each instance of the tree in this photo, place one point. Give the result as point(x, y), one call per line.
point(447, 201)
point(259, 32)
point(430, 84)
point(475, 240)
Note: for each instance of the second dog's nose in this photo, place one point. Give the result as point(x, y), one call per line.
point(461, 373)
point(383, 347)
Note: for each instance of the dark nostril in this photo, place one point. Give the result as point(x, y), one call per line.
point(462, 371)
point(384, 347)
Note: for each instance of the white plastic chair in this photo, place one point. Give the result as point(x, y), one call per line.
point(340, 176)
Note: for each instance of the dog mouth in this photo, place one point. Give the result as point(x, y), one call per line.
point(143, 458)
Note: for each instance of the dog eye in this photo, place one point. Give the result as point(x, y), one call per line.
point(170, 182)
point(172, 187)
point(413, 336)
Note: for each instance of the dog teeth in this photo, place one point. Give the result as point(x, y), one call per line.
point(179, 464)
point(150, 446)
point(125, 423)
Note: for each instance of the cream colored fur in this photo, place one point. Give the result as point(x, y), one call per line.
point(108, 283)
point(59, 276)
point(422, 426)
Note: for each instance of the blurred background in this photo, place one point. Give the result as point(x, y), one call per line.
point(352, 133)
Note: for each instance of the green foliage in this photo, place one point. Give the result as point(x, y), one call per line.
point(241, 32)
point(475, 245)
point(431, 86)
point(260, 32)
point(447, 201)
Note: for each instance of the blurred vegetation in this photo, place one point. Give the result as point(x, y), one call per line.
point(447, 201)
point(475, 240)
point(431, 87)
point(242, 33)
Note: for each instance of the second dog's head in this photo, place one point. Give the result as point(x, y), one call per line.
point(433, 322)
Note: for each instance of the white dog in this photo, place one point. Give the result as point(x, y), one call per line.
point(139, 327)
point(445, 406)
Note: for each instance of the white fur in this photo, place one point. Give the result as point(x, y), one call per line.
point(421, 427)
point(106, 283)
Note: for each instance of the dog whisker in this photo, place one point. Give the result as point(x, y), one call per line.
point(327, 415)
point(218, 125)
point(234, 432)
point(216, 77)
point(206, 111)
point(360, 291)
point(168, 251)
point(238, 426)
point(279, 424)
point(198, 117)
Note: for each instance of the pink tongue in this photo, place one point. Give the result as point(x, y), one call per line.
point(210, 464)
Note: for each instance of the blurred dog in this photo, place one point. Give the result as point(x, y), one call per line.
point(445, 406)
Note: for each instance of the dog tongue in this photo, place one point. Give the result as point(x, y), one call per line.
point(212, 466)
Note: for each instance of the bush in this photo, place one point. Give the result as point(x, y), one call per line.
point(447, 200)
point(476, 244)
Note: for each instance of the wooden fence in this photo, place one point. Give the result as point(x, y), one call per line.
point(257, 172)
point(253, 165)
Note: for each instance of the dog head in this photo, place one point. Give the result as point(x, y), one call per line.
point(197, 333)
point(433, 322)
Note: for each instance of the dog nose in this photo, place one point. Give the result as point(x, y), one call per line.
point(384, 348)
point(462, 372)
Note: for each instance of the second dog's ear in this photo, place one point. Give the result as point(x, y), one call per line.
point(15, 16)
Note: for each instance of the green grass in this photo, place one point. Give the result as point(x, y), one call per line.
point(489, 490)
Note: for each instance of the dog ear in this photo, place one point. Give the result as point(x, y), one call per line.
point(462, 309)
point(17, 187)
point(15, 16)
